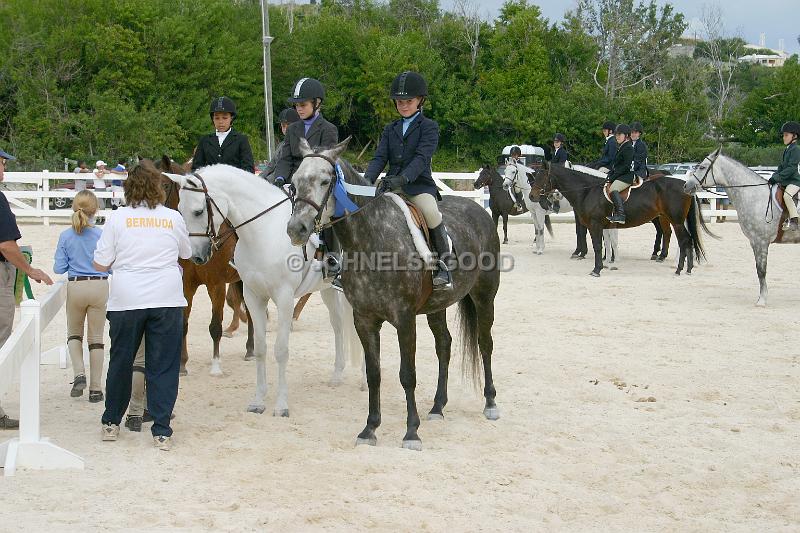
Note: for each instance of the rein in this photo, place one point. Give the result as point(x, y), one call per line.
point(217, 240)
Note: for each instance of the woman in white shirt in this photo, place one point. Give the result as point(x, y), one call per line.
point(142, 242)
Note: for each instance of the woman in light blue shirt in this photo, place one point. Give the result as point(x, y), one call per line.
point(87, 294)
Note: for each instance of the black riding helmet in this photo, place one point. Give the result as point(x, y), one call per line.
point(637, 126)
point(623, 128)
point(608, 125)
point(307, 89)
point(559, 137)
point(791, 127)
point(288, 116)
point(222, 104)
point(516, 151)
point(407, 85)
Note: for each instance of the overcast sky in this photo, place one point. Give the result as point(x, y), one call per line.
point(778, 19)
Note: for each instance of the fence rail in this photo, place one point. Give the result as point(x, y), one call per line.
point(20, 356)
point(44, 191)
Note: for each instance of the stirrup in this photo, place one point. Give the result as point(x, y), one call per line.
point(444, 278)
point(336, 283)
point(790, 225)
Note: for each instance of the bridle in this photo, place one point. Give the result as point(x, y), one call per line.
point(218, 238)
point(321, 206)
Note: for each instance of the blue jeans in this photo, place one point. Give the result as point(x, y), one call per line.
point(162, 328)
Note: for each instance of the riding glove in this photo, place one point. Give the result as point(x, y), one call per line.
point(392, 183)
point(280, 181)
point(773, 180)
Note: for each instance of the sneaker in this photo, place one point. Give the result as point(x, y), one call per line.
point(96, 396)
point(110, 432)
point(162, 442)
point(133, 423)
point(78, 386)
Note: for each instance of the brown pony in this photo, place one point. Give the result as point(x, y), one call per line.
point(215, 275)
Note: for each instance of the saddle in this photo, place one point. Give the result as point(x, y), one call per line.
point(637, 182)
point(419, 221)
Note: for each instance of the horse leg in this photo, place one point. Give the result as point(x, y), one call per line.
point(369, 331)
point(284, 301)
point(657, 243)
point(188, 292)
point(484, 311)
point(234, 299)
point(335, 316)
point(217, 294)
point(596, 233)
point(505, 228)
point(443, 340)
point(407, 337)
point(684, 243)
point(257, 307)
point(580, 234)
point(249, 355)
point(666, 237)
point(760, 252)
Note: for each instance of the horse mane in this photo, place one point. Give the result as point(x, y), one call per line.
point(351, 175)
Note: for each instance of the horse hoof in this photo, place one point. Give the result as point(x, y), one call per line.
point(372, 441)
point(678, 273)
point(249, 356)
point(435, 416)
point(660, 259)
point(492, 413)
point(364, 386)
point(581, 257)
point(505, 241)
point(654, 257)
point(415, 445)
point(283, 413)
point(594, 274)
point(613, 268)
point(761, 303)
point(183, 372)
point(216, 372)
point(227, 334)
point(258, 409)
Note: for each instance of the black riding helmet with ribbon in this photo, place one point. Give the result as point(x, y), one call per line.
point(288, 116)
point(222, 104)
point(408, 85)
point(307, 89)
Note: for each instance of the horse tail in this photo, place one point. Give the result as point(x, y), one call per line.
point(703, 222)
point(471, 361)
point(549, 226)
point(694, 219)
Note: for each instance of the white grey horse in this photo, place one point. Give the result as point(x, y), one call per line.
point(515, 176)
point(757, 211)
point(271, 267)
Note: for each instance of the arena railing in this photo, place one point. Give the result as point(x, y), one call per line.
point(20, 356)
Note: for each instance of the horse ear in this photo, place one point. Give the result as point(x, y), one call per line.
point(181, 180)
point(337, 150)
point(166, 162)
point(304, 147)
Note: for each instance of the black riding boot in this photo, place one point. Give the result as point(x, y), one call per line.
point(443, 279)
point(331, 266)
point(618, 216)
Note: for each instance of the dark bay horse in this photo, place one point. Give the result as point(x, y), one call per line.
point(659, 197)
point(397, 293)
point(500, 201)
point(216, 275)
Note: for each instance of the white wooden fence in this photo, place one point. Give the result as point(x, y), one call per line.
point(44, 191)
point(20, 356)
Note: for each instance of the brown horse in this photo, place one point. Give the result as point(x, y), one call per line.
point(215, 275)
point(661, 197)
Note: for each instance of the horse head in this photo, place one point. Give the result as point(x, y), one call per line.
point(696, 179)
point(170, 187)
point(203, 214)
point(485, 178)
point(542, 190)
point(313, 180)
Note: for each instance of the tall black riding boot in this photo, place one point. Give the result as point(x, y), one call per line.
point(618, 216)
point(443, 279)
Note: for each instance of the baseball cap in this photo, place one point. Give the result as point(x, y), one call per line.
point(101, 162)
point(6, 155)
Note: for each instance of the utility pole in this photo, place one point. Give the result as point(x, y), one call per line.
point(266, 39)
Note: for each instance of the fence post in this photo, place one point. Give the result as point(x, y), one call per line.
point(45, 201)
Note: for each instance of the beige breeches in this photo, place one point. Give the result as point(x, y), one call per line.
point(429, 207)
point(86, 303)
point(619, 186)
point(788, 192)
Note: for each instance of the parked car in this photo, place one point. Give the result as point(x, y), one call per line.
point(62, 202)
point(678, 168)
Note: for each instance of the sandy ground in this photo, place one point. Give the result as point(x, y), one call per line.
point(576, 448)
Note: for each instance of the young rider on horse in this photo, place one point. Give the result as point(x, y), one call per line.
point(225, 145)
point(516, 157)
point(621, 175)
point(286, 118)
point(407, 146)
point(560, 154)
point(306, 97)
point(639, 150)
point(787, 174)
point(609, 149)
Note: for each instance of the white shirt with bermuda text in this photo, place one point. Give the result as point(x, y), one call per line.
point(142, 247)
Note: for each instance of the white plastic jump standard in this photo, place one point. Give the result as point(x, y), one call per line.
point(22, 352)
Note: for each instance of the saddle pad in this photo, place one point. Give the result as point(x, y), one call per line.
point(591, 171)
point(637, 182)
